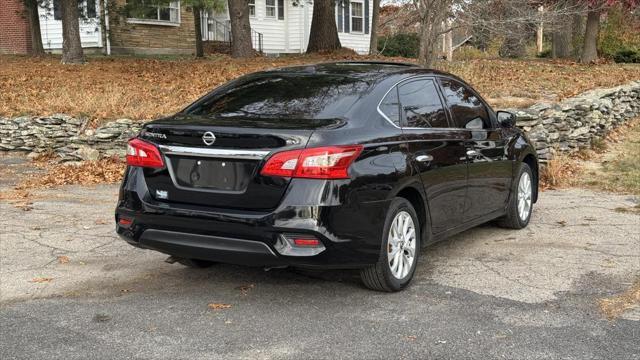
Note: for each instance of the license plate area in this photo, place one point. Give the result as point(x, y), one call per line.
point(211, 174)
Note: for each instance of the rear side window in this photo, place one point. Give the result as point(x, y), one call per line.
point(390, 106)
point(421, 105)
point(467, 110)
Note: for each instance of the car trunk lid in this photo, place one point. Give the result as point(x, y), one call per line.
point(216, 162)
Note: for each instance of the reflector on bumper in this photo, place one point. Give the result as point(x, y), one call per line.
point(298, 245)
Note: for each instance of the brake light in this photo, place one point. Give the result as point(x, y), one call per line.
point(331, 162)
point(143, 154)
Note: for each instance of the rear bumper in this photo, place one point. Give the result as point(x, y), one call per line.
point(349, 229)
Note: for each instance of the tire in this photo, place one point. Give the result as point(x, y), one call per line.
point(381, 276)
point(514, 218)
point(196, 263)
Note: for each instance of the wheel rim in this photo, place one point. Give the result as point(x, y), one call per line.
point(524, 196)
point(401, 249)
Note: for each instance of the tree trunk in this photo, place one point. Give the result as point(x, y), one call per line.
point(324, 32)
point(561, 47)
point(241, 46)
point(34, 28)
point(373, 42)
point(590, 47)
point(71, 47)
point(577, 28)
point(432, 15)
point(540, 30)
point(427, 54)
point(198, 30)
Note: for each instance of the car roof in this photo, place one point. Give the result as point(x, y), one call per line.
point(371, 71)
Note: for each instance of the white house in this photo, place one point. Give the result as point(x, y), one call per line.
point(284, 25)
point(277, 26)
point(51, 24)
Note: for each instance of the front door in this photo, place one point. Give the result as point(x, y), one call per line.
point(489, 169)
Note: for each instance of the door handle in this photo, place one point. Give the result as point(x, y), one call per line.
point(472, 153)
point(424, 158)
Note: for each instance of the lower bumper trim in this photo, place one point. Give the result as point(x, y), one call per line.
point(212, 248)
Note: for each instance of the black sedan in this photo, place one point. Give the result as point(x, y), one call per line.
point(342, 165)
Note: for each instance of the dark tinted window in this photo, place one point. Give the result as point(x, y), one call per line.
point(467, 110)
point(283, 96)
point(390, 106)
point(421, 105)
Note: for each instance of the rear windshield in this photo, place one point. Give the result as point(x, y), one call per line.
point(291, 96)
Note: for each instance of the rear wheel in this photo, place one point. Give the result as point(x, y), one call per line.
point(400, 250)
point(521, 202)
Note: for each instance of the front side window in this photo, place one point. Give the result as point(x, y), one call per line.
point(390, 106)
point(421, 105)
point(271, 8)
point(357, 17)
point(467, 110)
point(252, 7)
point(147, 10)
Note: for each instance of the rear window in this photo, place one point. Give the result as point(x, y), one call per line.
point(292, 96)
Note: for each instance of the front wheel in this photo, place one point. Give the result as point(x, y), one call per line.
point(521, 202)
point(400, 250)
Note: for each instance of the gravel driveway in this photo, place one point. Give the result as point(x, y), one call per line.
point(69, 288)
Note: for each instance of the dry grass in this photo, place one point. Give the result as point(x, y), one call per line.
point(559, 172)
point(144, 88)
point(617, 169)
point(615, 306)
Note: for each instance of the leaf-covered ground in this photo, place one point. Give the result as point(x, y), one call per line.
point(145, 88)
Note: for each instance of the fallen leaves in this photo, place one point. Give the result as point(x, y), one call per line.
point(63, 259)
point(40, 280)
point(244, 289)
point(104, 171)
point(219, 306)
point(615, 306)
point(139, 88)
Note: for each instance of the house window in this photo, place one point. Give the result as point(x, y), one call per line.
point(149, 12)
point(271, 8)
point(252, 7)
point(86, 9)
point(357, 17)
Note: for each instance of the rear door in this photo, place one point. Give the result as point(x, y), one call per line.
point(490, 171)
point(438, 151)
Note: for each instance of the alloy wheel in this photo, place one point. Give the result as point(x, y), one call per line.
point(524, 196)
point(401, 245)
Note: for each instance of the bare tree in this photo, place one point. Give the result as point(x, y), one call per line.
point(373, 41)
point(71, 46)
point(31, 9)
point(432, 13)
point(590, 45)
point(324, 32)
point(241, 46)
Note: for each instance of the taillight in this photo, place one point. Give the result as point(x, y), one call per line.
point(331, 162)
point(144, 154)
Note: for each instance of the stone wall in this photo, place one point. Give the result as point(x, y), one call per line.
point(67, 136)
point(562, 127)
point(574, 123)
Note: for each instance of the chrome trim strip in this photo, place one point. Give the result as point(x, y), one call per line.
point(216, 153)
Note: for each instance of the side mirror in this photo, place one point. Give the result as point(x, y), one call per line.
point(506, 119)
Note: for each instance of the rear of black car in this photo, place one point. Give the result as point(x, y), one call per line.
point(232, 178)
